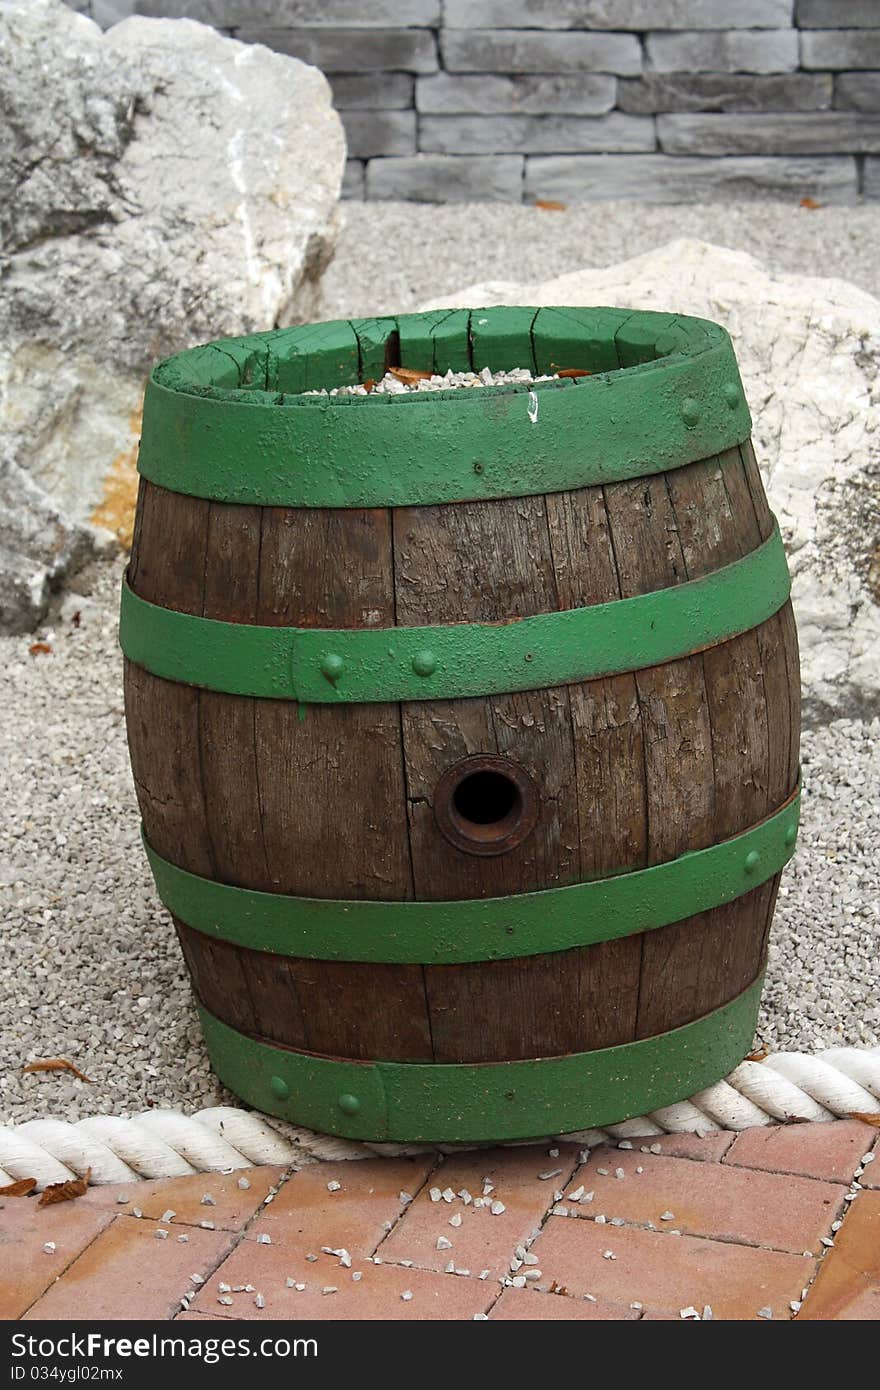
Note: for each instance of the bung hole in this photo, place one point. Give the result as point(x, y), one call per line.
point(485, 798)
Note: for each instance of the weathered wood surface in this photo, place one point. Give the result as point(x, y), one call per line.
point(337, 801)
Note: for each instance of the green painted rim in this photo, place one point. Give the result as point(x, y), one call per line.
point(447, 933)
point(488, 1102)
point(365, 665)
point(228, 421)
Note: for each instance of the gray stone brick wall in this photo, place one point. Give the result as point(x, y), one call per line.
point(581, 100)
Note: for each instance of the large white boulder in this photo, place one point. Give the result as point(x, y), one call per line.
point(809, 353)
point(160, 185)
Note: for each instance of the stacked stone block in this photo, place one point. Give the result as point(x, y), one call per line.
point(576, 100)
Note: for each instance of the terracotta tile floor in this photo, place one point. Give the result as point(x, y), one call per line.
point(752, 1226)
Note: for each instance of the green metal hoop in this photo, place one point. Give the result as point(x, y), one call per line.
point(472, 1103)
point(364, 665)
point(228, 421)
point(447, 933)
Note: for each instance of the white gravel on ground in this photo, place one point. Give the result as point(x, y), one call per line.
point(393, 257)
point(90, 965)
point(90, 968)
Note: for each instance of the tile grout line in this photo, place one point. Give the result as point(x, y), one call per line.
point(238, 1236)
point(438, 1163)
point(112, 1217)
point(698, 1235)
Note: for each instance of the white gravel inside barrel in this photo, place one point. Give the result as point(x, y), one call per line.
point(391, 385)
point(90, 969)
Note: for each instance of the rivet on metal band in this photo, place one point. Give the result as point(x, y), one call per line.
point(366, 665)
point(440, 933)
point(471, 1102)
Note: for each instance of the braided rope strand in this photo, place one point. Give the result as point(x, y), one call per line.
point(166, 1143)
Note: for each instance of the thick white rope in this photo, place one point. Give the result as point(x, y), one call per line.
point(167, 1143)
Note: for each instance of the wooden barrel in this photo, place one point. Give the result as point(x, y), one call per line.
point(464, 725)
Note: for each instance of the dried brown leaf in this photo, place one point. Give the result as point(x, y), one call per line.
point(65, 1191)
point(409, 375)
point(369, 384)
point(23, 1188)
point(550, 205)
point(810, 203)
point(866, 1117)
point(39, 648)
point(56, 1064)
point(573, 371)
point(758, 1055)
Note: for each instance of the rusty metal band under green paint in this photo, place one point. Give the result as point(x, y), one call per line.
point(228, 421)
point(447, 933)
point(365, 665)
point(472, 1102)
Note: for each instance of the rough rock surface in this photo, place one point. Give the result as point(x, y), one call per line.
point(809, 353)
point(159, 185)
